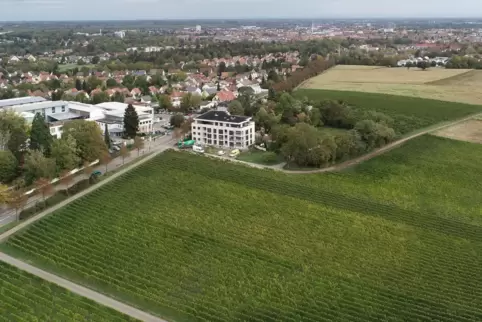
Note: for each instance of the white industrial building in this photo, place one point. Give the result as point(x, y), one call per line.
point(114, 117)
point(56, 113)
point(219, 128)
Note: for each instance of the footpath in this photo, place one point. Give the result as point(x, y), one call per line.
point(75, 288)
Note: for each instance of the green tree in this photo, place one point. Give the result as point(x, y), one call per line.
point(131, 122)
point(177, 120)
point(107, 136)
point(65, 153)
point(235, 108)
point(164, 102)
point(138, 144)
point(5, 194)
point(111, 83)
point(101, 97)
point(8, 166)
point(38, 166)
point(189, 102)
point(423, 65)
point(13, 133)
point(89, 139)
point(78, 84)
point(95, 60)
point(118, 97)
point(40, 137)
point(266, 120)
point(305, 146)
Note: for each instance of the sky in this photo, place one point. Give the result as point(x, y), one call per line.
point(66, 10)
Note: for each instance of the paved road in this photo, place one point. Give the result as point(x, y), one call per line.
point(7, 215)
point(80, 290)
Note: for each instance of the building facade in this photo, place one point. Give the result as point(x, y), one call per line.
point(219, 128)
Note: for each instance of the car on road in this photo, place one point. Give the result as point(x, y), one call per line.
point(234, 153)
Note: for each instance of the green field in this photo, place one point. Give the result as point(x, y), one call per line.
point(409, 113)
point(24, 297)
point(398, 238)
point(66, 67)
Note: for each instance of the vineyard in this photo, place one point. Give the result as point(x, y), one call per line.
point(409, 113)
point(28, 298)
point(194, 239)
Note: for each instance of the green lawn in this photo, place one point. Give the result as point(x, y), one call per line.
point(398, 238)
point(66, 67)
point(409, 113)
point(260, 157)
point(27, 298)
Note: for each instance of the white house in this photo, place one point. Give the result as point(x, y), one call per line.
point(219, 128)
point(114, 114)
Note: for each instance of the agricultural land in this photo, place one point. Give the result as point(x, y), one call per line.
point(455, 85)
point(409, 114)
point(28, 298)
point(397, 238)
point(470, 131)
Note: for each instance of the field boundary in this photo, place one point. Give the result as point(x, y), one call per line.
point(441, 81)
point(80, 290)
point(306, 80)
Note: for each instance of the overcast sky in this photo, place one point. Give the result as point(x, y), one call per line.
point(21, 10)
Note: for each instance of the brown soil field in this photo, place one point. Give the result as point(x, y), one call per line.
point(470, 131)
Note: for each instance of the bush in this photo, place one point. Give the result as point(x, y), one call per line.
point(8, 166)
point(270, 157)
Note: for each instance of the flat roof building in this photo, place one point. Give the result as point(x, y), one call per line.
point(219, 128)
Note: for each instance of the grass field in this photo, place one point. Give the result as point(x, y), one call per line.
point(398, 238)
point(66, 67)
point(28, 298)
point(455, 85)
point(409, 113)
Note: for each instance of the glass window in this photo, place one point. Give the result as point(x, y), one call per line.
point(53, 109)
point(63, 108)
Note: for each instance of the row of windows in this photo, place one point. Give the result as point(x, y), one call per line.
point(209, 130)
point(209, 136)
point(62, 109)
point(227, 143)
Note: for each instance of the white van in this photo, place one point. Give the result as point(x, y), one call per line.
point(234, 153)
point(198, 148)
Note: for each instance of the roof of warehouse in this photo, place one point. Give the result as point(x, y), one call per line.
point(21, 101)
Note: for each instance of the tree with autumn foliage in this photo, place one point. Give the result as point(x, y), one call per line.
point(44, 186)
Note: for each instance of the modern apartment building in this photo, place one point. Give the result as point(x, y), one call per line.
point(219, 128)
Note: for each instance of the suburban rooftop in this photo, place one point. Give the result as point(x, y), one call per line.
point(222, 116)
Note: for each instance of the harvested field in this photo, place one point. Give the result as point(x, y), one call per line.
point(470, 131)
point(385, 75)
point(456, 85)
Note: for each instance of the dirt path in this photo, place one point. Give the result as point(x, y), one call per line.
point(80, 290)
point(352, 162)
point(379, 151)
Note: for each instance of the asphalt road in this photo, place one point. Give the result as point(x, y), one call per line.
point(7, 215)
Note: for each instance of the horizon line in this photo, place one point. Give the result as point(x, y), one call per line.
point(250, 19)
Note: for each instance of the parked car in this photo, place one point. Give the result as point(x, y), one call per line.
point(234, 153)
point(221, 152)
